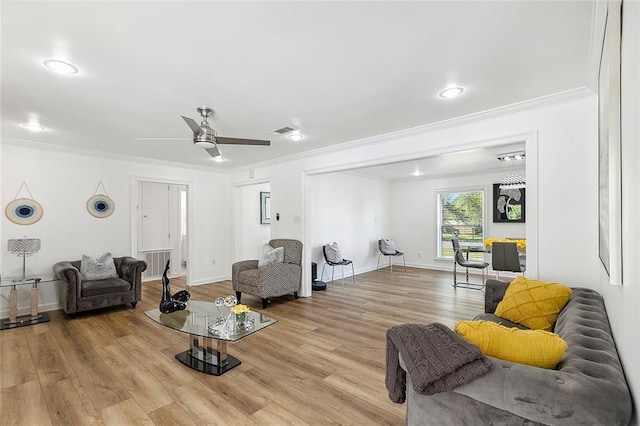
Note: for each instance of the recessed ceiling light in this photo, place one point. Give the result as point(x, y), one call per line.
point(33, 126)
point(60, 67)
point(218, 159)
point(417, 173)
point(296, 136)
point(451, 92)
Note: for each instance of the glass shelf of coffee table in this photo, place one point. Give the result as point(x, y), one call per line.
point(35, 317)
point(205, 322)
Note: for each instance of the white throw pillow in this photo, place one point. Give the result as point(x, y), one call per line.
point(333, 252)
point(98, 269)
point(271, 255)
point(388, 246)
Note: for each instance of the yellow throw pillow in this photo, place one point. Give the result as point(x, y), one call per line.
point(533, 303)
point(531, 347)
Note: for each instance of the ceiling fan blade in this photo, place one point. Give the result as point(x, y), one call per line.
point(162, 139)
point(193, 124)
point(213, 151)
point(236, 141)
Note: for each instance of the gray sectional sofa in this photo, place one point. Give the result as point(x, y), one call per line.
point(588, 387)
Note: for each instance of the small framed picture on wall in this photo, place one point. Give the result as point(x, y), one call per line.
point(265, 208)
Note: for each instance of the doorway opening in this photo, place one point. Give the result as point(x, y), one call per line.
point(162, 228)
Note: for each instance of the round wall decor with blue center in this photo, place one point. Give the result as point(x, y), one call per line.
point(24, 211)
point(101, 206)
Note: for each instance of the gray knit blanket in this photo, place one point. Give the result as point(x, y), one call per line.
point(437, 360)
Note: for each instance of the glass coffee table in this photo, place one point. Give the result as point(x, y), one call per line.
point(204, 323)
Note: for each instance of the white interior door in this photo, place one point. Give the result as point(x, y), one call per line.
point(155, 216)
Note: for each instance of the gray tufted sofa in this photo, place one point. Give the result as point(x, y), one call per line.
point(275, 279)
point(587, 387)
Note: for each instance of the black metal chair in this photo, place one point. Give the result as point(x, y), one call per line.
point(460, 259)
point(505, 257)
point(334, 264)
point(396, 254)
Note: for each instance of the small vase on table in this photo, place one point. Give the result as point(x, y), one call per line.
point(240, 320)
point(240, 316)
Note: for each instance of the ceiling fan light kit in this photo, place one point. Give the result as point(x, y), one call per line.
point(206, 138)
point(204, 143)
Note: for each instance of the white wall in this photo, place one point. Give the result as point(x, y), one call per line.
point(249, 235)
point(62, 182)
point(352, 211)
point(623, 301)
point(415, 217)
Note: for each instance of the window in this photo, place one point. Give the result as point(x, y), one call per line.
point(460, 213)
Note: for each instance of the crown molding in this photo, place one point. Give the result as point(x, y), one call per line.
point(25, 143)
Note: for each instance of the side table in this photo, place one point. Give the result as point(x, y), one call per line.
point(35, 317)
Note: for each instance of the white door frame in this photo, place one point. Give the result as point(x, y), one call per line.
point(135, 197)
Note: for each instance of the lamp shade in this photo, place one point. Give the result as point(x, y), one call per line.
point(24, 246)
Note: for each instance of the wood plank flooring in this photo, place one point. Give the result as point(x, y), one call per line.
point(322, 363)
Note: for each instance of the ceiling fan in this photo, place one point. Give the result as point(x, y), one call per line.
point(204, 136)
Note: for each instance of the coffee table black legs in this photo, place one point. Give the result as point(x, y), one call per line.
point(204, 367)
point(204, 358)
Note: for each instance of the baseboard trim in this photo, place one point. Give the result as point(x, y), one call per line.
point(210, 280)
point(26, 309)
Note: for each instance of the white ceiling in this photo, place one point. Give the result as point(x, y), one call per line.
point(460, 163)
point(341, 71)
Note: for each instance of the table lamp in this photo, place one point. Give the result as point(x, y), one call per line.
point(23, 247)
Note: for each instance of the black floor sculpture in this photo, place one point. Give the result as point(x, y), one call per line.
point(170, 303)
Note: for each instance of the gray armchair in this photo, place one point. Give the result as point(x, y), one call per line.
point(77, 295)
point(272, 280)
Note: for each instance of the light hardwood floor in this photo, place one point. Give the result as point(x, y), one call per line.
point(323, 362)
